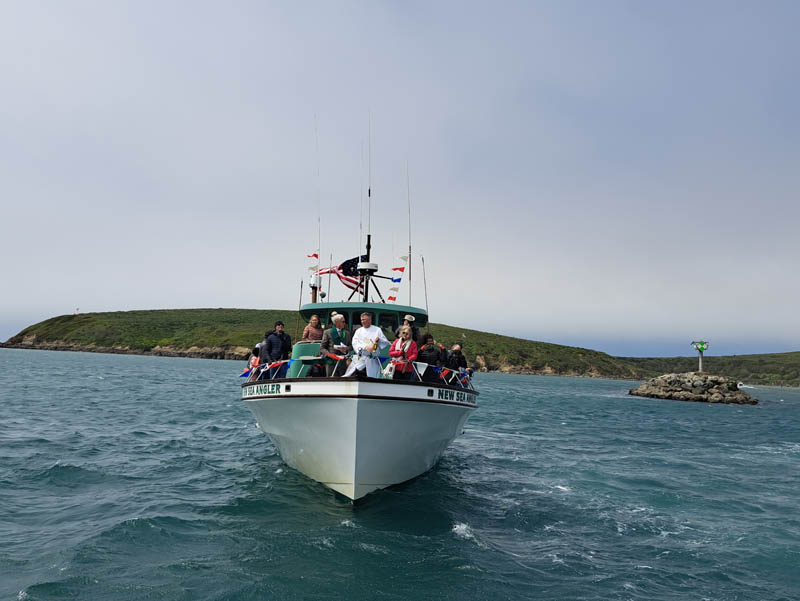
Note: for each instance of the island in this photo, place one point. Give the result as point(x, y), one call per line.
point(694, 386)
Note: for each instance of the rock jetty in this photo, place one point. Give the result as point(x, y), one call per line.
point(694, 386)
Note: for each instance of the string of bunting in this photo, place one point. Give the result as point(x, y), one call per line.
point(396, 280)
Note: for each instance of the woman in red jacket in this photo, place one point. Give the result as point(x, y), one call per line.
point(403, 351)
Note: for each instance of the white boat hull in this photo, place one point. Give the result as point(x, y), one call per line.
point(359, 436)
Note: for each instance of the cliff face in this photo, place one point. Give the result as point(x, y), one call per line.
point(694, 386)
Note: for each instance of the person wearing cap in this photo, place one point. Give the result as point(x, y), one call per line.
point(337, 341)
point(277, 347)
point(408, 321)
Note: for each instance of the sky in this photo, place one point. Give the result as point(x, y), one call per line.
point(620, 176)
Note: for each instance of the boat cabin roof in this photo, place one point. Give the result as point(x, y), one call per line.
point(384, 315)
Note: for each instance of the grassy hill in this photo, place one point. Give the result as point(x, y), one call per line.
point(773, 369)
point(230, 333)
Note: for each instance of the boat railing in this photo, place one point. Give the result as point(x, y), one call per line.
point(276, 370)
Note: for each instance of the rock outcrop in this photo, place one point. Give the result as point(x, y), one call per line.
point(694, 386)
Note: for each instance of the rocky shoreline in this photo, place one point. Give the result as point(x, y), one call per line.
point(694, 386)
point(240, 353)
point(235, 353)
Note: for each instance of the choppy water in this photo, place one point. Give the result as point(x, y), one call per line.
point(127, 477)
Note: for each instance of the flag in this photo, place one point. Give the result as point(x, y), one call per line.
point(395, 288)
point(400, 269)
point(405, 258)
point(391, 298)
point(313, 256)
point(397, 280)
point(347, 273)
point(313, 268)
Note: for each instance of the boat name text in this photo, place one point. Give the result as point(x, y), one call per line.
point(258, 389)
point(456, 395)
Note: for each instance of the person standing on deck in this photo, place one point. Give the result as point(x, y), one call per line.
point(262, 346)
point(408, 321)
point(313, 331)
point(404, 353)
point(456, 359)
point(337, 341)
point(366, 341)
point(278, 347)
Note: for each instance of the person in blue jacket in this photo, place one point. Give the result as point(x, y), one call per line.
point(278, 346)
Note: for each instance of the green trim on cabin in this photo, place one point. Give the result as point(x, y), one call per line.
point(350, 310)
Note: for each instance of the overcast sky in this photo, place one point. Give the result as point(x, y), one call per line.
point(617, 175)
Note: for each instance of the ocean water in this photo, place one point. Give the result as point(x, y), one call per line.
point(125, 477)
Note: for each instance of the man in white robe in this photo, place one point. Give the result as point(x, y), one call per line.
point(366, 342)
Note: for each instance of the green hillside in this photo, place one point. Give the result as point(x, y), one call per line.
point(144, 330)
point(230, 333)
point(773, 369)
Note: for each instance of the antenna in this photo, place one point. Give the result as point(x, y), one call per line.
point(369, 181)
point(299, 304)
point(425, 280)
point(319, 204)
point(408, 188)
point(361, 204)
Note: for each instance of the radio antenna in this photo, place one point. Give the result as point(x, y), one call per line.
point(319, 204)
point(408, 189)
point(361, 204)
point(425, 280)
point(369, 180)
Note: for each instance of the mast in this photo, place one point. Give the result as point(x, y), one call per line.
point(366, 275)
point(330, 268)
point(369, 183)
point(315, 283)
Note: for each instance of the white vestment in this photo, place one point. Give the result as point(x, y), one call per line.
point(366, 355)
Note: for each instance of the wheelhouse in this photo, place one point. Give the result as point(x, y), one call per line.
point(385, 316)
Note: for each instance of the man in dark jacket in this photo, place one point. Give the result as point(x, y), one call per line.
point(277, 347)
point(456, 359)
point(261, 346)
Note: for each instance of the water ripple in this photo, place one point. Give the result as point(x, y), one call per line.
point(128, 477)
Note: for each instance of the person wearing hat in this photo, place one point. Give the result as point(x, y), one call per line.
point(277, 348)
point(408, 321)
point(337, 341)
